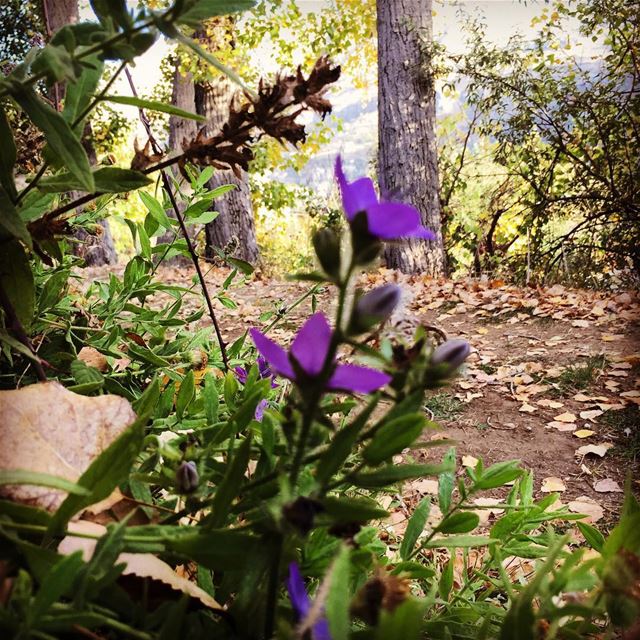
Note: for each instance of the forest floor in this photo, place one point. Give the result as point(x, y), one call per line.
point(553, 380)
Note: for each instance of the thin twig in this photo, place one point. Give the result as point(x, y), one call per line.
point(13, 322)
point(179, 217)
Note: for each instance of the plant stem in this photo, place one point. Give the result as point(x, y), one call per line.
point(13, 322)
point(272, 589)
point(183, 227)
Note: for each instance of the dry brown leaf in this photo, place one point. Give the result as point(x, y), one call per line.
point(142, 565)
point(527, 408)
point(588, 507)
point(581, 397)
point(581, 324)
point(561, 426)
point(565, 417)
point(549, 404)
point(423, 486)
point(93, 358)
point(583, 433)
point(607, 486)
point(552, 484)
point(596, 449)
point(48, 429)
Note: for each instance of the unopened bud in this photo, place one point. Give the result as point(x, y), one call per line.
point(374, 307)
point(327, 245)
point(451, 353)
point(187, 477)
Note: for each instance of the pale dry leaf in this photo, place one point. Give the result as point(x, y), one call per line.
point(552, 485)
point(580, 324)
point(561, 426)
point(142, 565)
point(549, 404)
point(527, 408)
point(588, 507)
point(93, 358)
point(595, 449)
point(490, 507)
point(469, 461)
point(583, 433)
point(46, 428)
point(581, 397)
point(607, 486)
point(565, 417)
point(590, 415)
point(423, 486)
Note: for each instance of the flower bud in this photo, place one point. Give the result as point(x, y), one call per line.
point(451, 353)
point(374, 307)
point(187, 477)
point(327, 246)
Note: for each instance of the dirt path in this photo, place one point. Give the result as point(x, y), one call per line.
point(553, 371)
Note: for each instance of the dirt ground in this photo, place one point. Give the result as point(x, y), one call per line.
point(553, 380)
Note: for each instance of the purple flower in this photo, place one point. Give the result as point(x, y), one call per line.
point(385, 220)
point(259, 412)
point(264, 371)
point(309, 352)
point(302, 603)
point(451, 353)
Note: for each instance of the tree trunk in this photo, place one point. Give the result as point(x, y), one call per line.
point(96, 249)
point(234, 229)
point(407, 151)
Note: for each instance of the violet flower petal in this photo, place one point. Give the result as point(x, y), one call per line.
point(390, 220)
point(241, 374)
point(275, 355)
point(312, 343)
point(356, 196)
point(298, 592)
point(260, 408)
point(351, 377)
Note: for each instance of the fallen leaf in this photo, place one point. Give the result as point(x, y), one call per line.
point(549, 404)
point(565, 417)
point(93, 358)
point(469, 461)
point(581, 324)
point(596, 449)
point(142, 565)
point(581, 397)
point(552, 484)
point(423, 486)
point(527, 408)
point(561, 426)
point(590, 415)
point(583, 433)
point(607, 486)
point(49, 429)
point(588, 507)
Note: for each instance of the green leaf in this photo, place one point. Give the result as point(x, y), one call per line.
point(405, 621)
point(204, 9)
point(57, 583)
point(230, 486)
point(347, 509)
point(396, 473)
point(24, 476)
point(17, 281)
point(55, 63)
point(204, 218)
point(78, 94)
point(415, 527)
point(146, 355)
point(104, 474)
point(58, 134)
point(393, 437)
point(342, 444)
point(84, 374)
point(107, 180)
point(446, 580)
point(447, 481)
point(155, 209)
point(593, 537)
point(154, 105)
point(459, 542)
point(210, 398)
point(461, 522)
point(498, 474)
point(338, 598)
point(7, 157)
point(11, 224)
point(186, 394)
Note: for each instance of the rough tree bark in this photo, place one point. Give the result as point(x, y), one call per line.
point(407, 152)
point(95, 249)
point(234, 229)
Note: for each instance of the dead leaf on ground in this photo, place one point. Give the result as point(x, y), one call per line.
point(583, 433)
point(469, 461)
point(552, 485)
point(561, 426)
point(549, 404)
point(595, 449)
point(588, 507)
point(93, 358)
point(607, 486)
point(46, 428)
point(527, 408)
point(591, 415)
point(565, 417)
point(142, 565)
